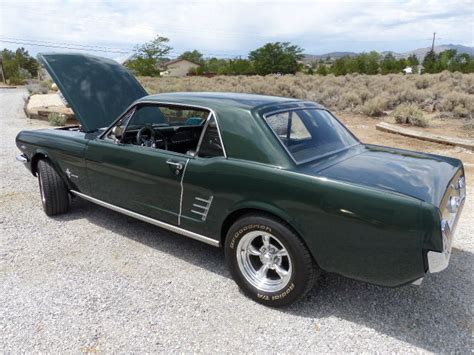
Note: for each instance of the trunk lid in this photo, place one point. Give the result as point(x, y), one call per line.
point(97, 89)
point(419, 175)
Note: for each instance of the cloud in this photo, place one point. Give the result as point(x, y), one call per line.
point(235, 27)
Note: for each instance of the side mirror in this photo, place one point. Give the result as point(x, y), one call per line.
point(117, 131)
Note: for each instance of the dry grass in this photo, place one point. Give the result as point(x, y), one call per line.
point(449, 95)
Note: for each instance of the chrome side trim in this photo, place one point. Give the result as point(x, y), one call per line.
point(155, 222)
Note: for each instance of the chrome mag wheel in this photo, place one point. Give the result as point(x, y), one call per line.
point(264, 261)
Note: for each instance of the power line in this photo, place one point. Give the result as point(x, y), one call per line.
point(73, 46)
point(63, 47)
point(61, 43)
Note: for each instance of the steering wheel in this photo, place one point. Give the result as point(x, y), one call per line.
point(146, 137)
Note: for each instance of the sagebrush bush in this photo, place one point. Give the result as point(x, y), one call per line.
point(374, 107)
point(57, 119)
point(37, 88)
point(410, 114)
point(447, 94)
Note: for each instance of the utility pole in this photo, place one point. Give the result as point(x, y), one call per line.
point(432, 44)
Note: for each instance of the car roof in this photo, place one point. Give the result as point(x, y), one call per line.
point(217, 100)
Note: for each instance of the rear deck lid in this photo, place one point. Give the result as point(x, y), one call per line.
point(97, 89)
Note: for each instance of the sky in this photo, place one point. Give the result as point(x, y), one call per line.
point(233, 28)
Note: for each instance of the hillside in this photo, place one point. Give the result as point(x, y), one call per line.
point(419, 52)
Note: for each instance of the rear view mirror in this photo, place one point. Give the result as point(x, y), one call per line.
point(117, 131)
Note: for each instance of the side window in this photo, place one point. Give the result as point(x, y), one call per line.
point(210, 145)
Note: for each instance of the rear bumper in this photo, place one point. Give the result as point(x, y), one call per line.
point(439, 261)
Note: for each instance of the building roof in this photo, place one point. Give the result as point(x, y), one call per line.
point(177, 61)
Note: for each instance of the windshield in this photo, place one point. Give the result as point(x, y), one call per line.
point(155, 115)
point(310, 133)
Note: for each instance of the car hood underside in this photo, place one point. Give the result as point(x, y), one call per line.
point(97, 89)
point(423, 176)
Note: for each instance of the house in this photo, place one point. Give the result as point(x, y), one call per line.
point(418, 69)
point(178, 67)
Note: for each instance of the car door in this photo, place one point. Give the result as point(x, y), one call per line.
point(204, 184)
point(140, 179)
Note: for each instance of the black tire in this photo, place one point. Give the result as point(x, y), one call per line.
point(304, 271)
point(53, 190)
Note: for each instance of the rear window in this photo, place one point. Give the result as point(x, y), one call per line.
point(310, 133)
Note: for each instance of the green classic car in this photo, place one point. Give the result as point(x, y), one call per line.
point(283, 186)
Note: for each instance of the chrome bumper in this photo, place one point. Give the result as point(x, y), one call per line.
point(439, 261)
point(22, 158)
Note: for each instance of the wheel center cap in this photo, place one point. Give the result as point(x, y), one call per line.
point(267, 259)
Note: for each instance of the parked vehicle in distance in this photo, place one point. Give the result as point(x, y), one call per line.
point(280, 183)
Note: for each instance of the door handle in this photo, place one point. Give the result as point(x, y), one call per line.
point(176, 165)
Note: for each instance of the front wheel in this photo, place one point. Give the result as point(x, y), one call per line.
point(53, 190)
point(269, 261)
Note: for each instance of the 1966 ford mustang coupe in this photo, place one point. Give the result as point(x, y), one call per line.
point(280, 183)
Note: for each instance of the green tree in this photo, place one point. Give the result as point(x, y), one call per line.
point(389, 64)
point(215, 65)
point(444, 59)
point(463, 63)
point(373, 63)
point(322, 70)
point(193, 56)
point(149, 56)
point(412, 60)
point(429, 62)
point(19, 65)
point(277, 57)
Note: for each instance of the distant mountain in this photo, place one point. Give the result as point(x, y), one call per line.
point(419, 52)
point(332, 55)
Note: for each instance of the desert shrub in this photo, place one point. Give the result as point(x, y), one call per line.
point(422, 83)
point(448, 94)
point(37, 88)
point(57, 119)
point(374, 107)
point(458, 104)
point(410, 114)
point(349, 100)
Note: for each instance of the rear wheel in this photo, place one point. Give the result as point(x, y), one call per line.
point(269, 261)
point(53, 190)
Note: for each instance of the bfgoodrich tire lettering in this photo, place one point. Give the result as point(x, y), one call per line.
point(269, 261)
point(53, 191)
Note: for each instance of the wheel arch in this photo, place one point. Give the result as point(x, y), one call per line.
point(259, 208)
point(43, 155)
point(35, 159)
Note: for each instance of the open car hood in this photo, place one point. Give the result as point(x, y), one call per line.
point(97, 89)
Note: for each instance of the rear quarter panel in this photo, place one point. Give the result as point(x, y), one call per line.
point(355, 231)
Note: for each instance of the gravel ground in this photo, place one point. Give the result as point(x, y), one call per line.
point(94, 280)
